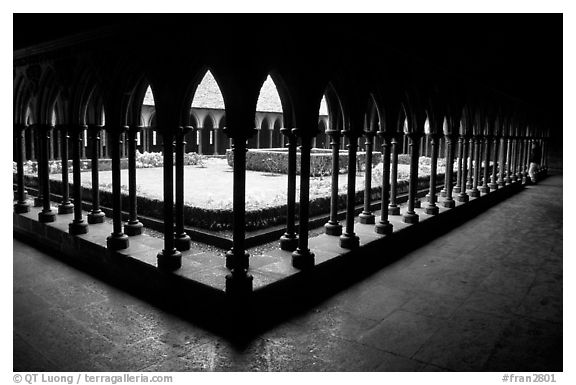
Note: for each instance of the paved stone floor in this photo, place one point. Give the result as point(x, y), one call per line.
point(484, 297)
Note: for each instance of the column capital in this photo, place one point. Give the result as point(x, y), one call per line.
point(333, 133)
point(369, 134)
point(286, 132)
point(386, 134)
point(238, 134)
point(351, 134)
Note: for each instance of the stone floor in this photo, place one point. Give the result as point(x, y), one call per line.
point(484, 297)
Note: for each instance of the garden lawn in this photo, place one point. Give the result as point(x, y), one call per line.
point(210, 187)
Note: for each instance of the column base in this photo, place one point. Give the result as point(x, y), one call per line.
point(432, 210)
point(463, 197)
point(501, 184)
point(410, 218)
point(239, 285)
point(449, 204)
point(394, 210)
point(289, 242)
point(456, 189)
point(367, 218)
point(38, 202)
point(230, 256)
point(169, 260)
point(77, 228)
point(66, 208)
point(383, 228)
point(21, 207)
point(417, 203)
point(493, 186)
point(484, 190)
point(349, 241)
point(46, 216)
point(302, 259)
point(442, 193)
point(117, 241)
point(468, 185)
point(133, 228)
point(96, 216)
point(182, 242)
point(331, 228)
point(474, 193)
point(427, 198)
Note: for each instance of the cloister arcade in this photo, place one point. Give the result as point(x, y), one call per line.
point(88, 102)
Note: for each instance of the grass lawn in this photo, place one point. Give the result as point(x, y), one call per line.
point(210, 187)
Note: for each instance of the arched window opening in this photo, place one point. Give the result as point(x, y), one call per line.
point(207, 98)
point(269, 107)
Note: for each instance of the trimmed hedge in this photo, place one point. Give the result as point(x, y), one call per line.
point(220, 220)
point(276, 161)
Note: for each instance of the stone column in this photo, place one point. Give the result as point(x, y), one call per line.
point(21, 206)
point(78, 225)
point(95, 215)
point(199, 138)
point(182, 240)
point(526, 176)
point(520, 168)
point(384, 226)
point(169, 258)
point(117, 240)
point(475, 193)
point(470, 146)
point(349, 239)
point(33, 140)
point(239, 281)
point(431, 208)
point(333, 227)
point(393, 208)
point(485, 189)
point(83, 147)
point(449, 200)
point(508, 178)
point(410, 216)
point(133, 226)
point(216, 140)
point(495, 164)
point(39, 199)
point(51, 135)
point(513, 157)
point(66, 207)
point(302, 257)
point(445, 148)
point(289, 241)
point(459, 178)
point(271, 134)
point(366, 216)
point(463, 196)
point(47, 214)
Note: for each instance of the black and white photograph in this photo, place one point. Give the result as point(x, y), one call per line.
point(305, 192)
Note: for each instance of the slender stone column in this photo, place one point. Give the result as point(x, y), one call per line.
point(271, 141)
point(39, 199)
point(199, 138)
point(289, 241)
point(526, 176)
point(66, 207)
point(169, 258)
point(95, 215)
point(449, 200)
point(366, 216)
point(239, 281)
point(508, 179)
point(443, 191)
point(258, 138)
point(496, 163)
point(393, 208)
point(181, 239)
point(349, 239)
point(485, 189)
point(410, 216)
point(47, 214)
point(32, 142)
point(216, 140)
point(475, 193)
point(78, 225)
point(384, 226)
point(459, 178)
point(50, 139)
point(333, 227)
point(133, 226)
point(463, 196)
point(513, 156)
point(520, 168)
point(431, 208)
point(83, 147)
point(469, 160)
point(21, 206)
point(302, 257)
point(117, 240)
